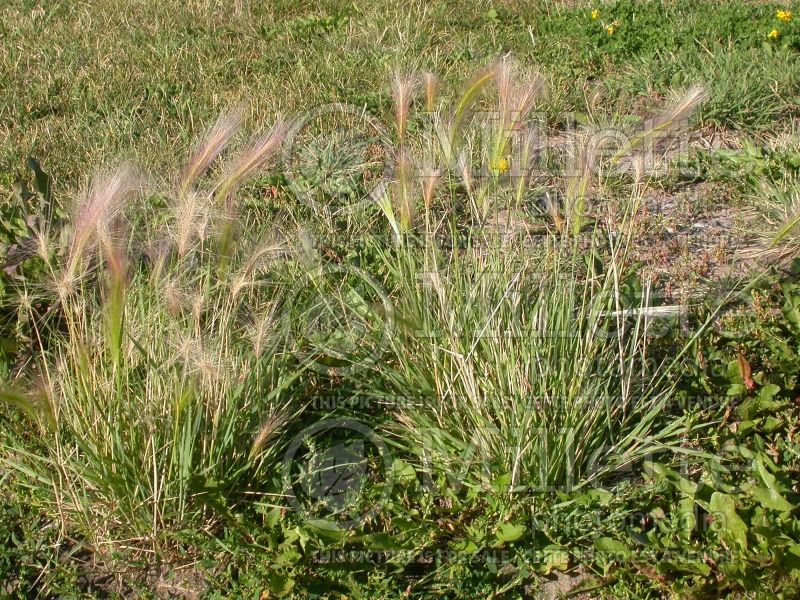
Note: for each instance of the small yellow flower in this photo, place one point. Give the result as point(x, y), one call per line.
point(596, 14)
point(784, 15)
point(610, 30)
point(499, 166)
point(774, 34)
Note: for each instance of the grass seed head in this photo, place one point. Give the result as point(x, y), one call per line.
point(267, 430)
point(255, 157)
point(430, 180)
point(209, 148)
point(403, 90)
point(106, 198)
point(263, 325)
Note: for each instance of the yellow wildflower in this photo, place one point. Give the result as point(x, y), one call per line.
point(774, 34)
point(596, 14)
point(499, 166)
point(784, 15)
point(610, 30)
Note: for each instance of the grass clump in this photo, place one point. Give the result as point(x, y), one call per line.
point(162, 383)
point(498, 311)
point(526, 365)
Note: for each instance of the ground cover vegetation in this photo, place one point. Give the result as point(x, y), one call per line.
point(369, 300)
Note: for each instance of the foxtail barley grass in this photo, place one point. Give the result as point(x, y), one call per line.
point(522, 360)
point(256, 157)
point(431, 83)
point(463, 108)
point(514, 363)
point(403, 91)
point(589, 147)
point(485, 141)
point(167, 381)
point(208, 149)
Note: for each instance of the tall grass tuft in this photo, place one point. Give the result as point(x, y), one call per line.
point(167, 382)
point(524, 361)
point(522, 364)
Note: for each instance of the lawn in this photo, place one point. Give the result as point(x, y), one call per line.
point(377, 300)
